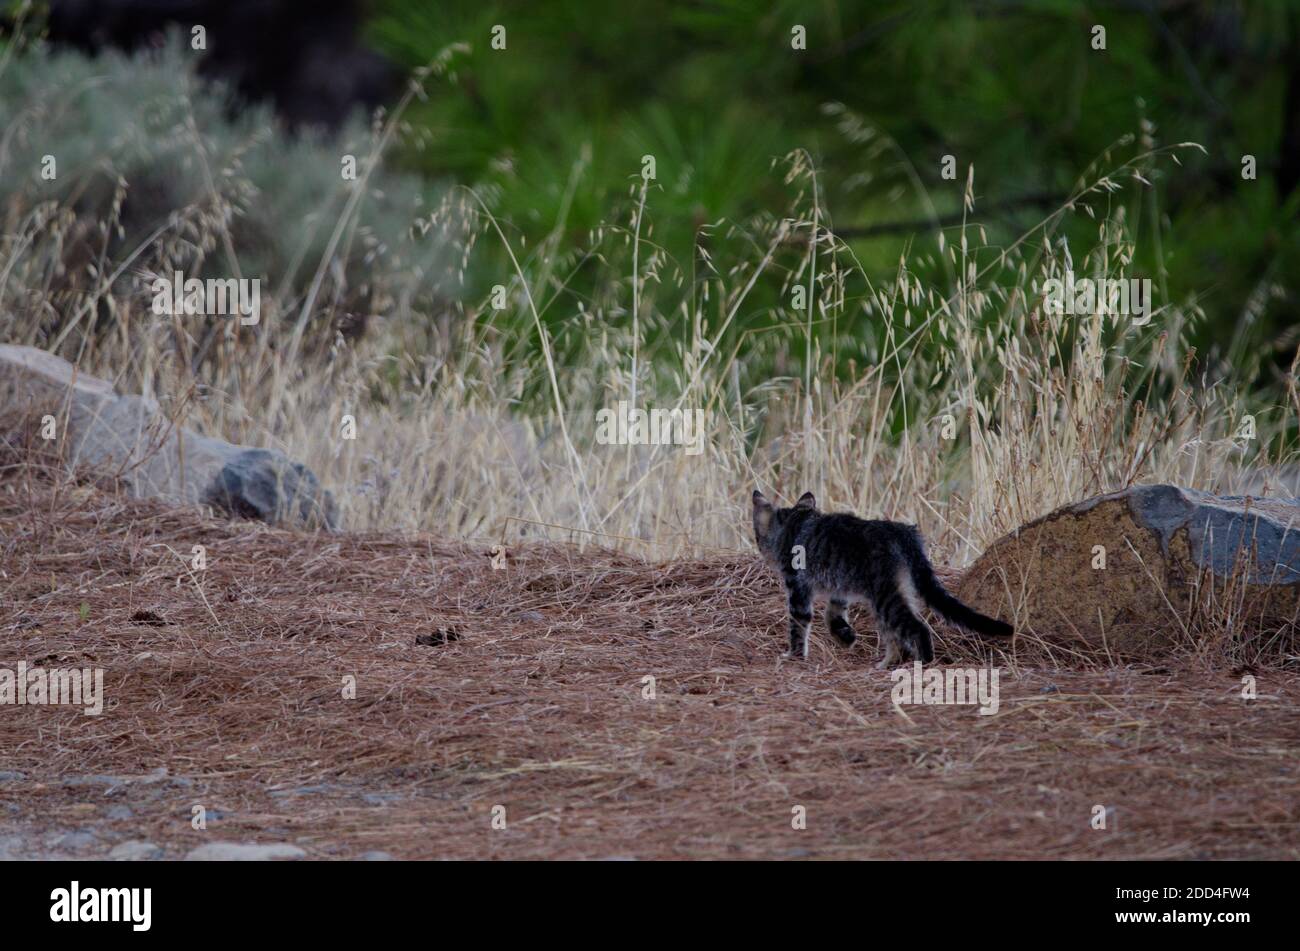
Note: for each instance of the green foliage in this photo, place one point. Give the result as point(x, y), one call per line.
point(550, 134)
point(716, 93)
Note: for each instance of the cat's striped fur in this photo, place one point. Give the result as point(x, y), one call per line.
point(848, 559)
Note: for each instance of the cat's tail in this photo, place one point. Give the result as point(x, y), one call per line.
point(938, 597)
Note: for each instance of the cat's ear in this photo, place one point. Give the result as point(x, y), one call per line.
point(806, 501)
point(762, 516)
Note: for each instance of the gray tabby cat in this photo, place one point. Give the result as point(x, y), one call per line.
point(850, 559)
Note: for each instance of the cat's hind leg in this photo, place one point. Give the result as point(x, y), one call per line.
point(838, 621)
point(893, 655)
point(901, 629)
point(801, 602)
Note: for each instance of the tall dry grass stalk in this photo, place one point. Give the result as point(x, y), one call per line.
point(480, 422)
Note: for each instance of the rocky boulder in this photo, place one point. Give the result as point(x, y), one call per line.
point(1129, 570)
point(130, 437)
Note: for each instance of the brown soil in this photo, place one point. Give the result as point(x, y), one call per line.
point(523, 688)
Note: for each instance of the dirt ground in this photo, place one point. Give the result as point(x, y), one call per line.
point(523, 687)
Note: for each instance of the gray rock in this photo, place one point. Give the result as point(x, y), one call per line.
point(135, 851)
point(245, 852)
point(111, 782)
point(301, 791)
point(266, 485)
point(1222, 528)
point(376, 856)
point(12, 846)
point(131, 437)
point(117, 813)
point(11, 776)
point(209, 815)
point(78, 841)
point(383, 798)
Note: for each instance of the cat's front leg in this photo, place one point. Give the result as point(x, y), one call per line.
point(801, 599)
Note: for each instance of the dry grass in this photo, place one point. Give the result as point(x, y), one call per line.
point(231, 679)
point(940, 393)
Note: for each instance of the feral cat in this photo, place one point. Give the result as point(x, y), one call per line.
point(850, 559)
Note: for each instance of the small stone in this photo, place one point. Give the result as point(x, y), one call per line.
point(376, 856)
point(11, 776)
point(135, 851)
point(301, 791)
point(112, 782)
point(210, 815)
point(437, 637)
point(150, 618)
point(119, 812)
point(244, 852)
point(77, 841)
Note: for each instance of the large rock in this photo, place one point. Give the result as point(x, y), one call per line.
point(1166, 550)
point(130, 437)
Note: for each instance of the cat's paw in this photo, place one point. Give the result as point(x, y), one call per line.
point(845, 636)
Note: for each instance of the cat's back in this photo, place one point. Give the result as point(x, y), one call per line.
point(844, 530)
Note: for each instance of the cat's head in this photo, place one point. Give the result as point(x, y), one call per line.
point(770, 522)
